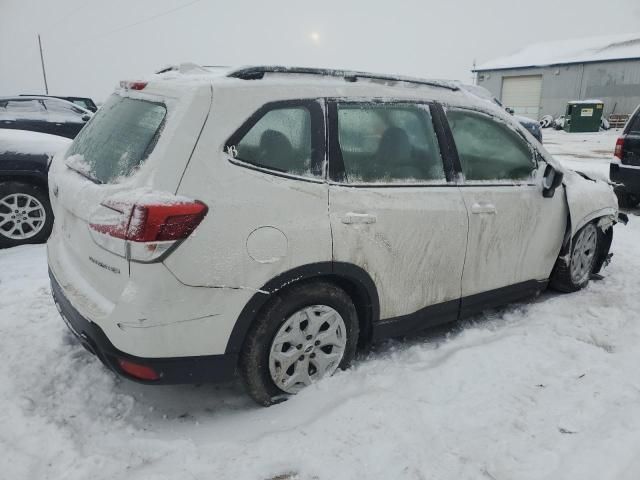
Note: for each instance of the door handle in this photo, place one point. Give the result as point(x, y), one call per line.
point(352, 217)
point(483, 207)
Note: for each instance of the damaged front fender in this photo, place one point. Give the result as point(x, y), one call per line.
point(588, 200)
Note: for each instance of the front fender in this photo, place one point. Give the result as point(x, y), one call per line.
point(588, 199)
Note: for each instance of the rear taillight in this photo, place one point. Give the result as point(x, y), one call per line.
point(145, 230)
point(619, 151)
point(133, 85)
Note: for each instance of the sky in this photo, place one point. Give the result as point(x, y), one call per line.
point(90, 45)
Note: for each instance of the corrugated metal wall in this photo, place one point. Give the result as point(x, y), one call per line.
point(616, 83)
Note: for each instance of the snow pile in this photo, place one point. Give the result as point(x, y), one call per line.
point(609, 47)
point(33, 143)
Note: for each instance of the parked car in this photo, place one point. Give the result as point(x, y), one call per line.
point(532, 126)
point(271, 220)
point(83, 102)
point(625, 169)
point(25, 212)
point(43, 114)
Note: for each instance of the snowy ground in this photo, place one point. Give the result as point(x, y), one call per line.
point(587, 152)
point(544, 390)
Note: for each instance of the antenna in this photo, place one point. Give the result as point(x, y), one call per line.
point(44, 72)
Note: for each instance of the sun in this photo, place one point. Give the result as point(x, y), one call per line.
point(315, 37)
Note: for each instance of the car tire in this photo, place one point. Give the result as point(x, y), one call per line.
point(628, 200)
point(575, 274)
point(258, 363)
point(37, 223)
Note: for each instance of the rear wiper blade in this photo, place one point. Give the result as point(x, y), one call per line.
point(84, 174)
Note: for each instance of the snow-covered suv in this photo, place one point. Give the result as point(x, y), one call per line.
point(269, 220)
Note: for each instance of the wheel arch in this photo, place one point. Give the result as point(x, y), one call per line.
point(355, 281)
point(595, 215)
point(607, 235)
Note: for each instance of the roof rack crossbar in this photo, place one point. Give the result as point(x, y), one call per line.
point(258, 72)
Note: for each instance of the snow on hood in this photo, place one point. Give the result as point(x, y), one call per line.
point(32, 143)
point(609, 47)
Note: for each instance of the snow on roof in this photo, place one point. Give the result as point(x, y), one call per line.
point(193, 72)
point(580, 102)
point(577, 50)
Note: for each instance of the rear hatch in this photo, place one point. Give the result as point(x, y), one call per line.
point(114, 190)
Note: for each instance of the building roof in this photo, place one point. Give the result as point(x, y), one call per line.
point(577, 50)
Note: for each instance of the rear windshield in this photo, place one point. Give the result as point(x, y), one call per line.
point(117, 140)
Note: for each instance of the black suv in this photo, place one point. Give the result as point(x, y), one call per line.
point(625, 171)
point(43, 114)
point(25, 213)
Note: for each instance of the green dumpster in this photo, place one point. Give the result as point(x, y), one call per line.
point(583, 116)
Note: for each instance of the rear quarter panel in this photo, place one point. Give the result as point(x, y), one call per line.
point(258, 225)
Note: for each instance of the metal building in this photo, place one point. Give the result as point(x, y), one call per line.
point(541, 79)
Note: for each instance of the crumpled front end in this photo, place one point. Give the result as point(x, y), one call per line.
point(590, 199)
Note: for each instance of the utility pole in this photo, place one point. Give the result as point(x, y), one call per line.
point(44, 72)
point(474, 77)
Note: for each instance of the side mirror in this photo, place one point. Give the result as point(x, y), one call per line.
point(86, 118)
point(551, 180)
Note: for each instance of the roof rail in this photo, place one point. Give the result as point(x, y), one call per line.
point(258, 72)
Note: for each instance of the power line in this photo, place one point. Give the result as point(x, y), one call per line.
point(70, 14)
point(148, 19)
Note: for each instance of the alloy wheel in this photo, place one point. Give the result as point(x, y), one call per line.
point(22, 216)
point(584, 254)
point(309, 345)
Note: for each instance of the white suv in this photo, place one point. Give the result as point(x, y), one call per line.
point(269, 220)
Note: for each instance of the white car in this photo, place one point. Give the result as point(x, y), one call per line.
point(270, 220)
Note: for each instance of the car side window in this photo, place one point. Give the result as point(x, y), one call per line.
point(488, 149)
point(23, 107)
point(54, 106)
point(280, 140)
point(388, 143)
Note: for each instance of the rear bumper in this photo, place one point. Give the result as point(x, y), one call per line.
point(627, 177)
point(196, 369)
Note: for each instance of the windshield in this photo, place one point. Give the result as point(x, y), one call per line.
point(117, 140)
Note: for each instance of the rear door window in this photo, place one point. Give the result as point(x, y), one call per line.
point(388, 142)
point(23, 109)
point(64, 109)
point(282, 139)
point(488, 149)
point(118, 139)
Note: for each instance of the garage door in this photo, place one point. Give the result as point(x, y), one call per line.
point(522, 94)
